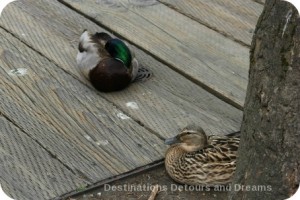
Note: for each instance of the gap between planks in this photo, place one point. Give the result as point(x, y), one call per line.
point(38, 143)
point(205, 24)
point(194, 80)
point(16, 40)
point(89, 86)
point(68, 73)
point(136, 171)
point(160, 97)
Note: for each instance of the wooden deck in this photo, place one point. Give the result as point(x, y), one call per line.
point(58, 134)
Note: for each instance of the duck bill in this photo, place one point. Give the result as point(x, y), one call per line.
point(172, 140)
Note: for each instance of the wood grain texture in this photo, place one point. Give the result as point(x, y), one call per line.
point(213, 61)
point(235, 19)
point(166, 103)
point(73, 123)
point(28, 170)
point(94, 135)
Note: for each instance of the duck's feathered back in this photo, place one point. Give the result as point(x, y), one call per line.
point(214, 164)
point(107, 62)
point(227, 144)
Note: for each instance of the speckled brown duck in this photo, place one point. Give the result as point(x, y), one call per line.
point(197, 159)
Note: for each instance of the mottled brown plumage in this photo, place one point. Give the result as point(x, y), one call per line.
point(197, 159)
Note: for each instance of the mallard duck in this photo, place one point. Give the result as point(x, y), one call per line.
point(197, 159)
point(109, 63)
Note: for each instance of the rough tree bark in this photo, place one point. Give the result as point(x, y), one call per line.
point(269, 155)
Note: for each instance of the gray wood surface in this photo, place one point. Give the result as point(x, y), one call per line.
point(165, 103)
point(90, 136)
point(203, 55)
point(73, 123)
point(28, 170)
point(235, 19)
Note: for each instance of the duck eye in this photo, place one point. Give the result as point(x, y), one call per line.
point(80, 48)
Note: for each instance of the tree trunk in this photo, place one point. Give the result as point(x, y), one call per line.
point(268, 166)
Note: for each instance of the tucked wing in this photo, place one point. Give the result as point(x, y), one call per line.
point(226, 145)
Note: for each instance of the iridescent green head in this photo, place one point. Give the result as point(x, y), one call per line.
point(119, 50)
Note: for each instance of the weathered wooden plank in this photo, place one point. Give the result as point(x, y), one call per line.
point(79, 128)
point(236, 19)
point(27, 170)
point(208, 58)
point(163, 104)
